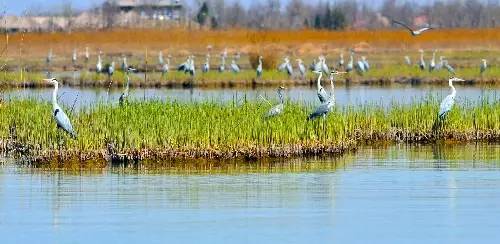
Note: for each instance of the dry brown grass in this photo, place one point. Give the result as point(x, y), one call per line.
point(300, 42)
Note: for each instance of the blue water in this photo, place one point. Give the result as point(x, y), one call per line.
point(345, 95)
point(399, 194)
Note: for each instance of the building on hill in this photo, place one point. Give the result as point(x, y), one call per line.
point(150, 9)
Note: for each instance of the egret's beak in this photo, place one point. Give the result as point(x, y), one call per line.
point(458, 79)
point(47, 80)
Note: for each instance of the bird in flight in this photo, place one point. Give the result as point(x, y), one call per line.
point(412, 31)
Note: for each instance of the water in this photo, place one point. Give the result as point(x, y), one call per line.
point(398, 194)
point(345, 95)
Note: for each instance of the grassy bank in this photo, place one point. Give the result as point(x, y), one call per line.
point(169, 130)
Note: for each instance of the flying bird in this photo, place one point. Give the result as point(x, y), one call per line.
point(412, 31)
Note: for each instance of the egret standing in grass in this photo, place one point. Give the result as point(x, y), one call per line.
point(446, 104)
point(234, 66)
point(341, 60)
point(206, 65)
point(166, 67)
point(301, 67)
point(484, 66)
point(160, 58)
point(412, 31)
point(440, 65)
point(111, 69)
point(124, 95)
point(222, 66)
point(422, 61)
point(408, 60)
point(124, 65)
point(320, 91)
point(98, 67)
point(60, 117)
point(279, 108)
point(350, 65)
point(448, 67)
point(324, 66)
point(259, 68)
point(87, 55)
point(283, 65)
point(365, 63)
point(360, 67)
point(432, 63)
point(327, 106)
point(74, 57)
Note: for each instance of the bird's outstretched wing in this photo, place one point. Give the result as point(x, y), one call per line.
point(402, 24)
point(424, 29)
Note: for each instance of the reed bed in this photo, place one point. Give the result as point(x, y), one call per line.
point(161, 130)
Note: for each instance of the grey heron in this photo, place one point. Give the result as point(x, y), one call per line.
point(160, 58)
point(234, 66)
point(324, 66)
point(111, 69)
point(191, 67)
point(484, 66)
point(74, 57)
point(360, 67)
point(318, 66)
point(222, 66)
point(301, 67)
point(259, 68)
point(341, 60)
point(166, 67)
point(124, 95)
point(184, 66)
point(350, 65)
point(408, 60)
point(440, 65)
point(447, 104)
point(60, 117)
point(87, 55)
point(48, 60)
point(312, 66)
point(326, 107)
point(412, 31)
point(279, 108)
point(422, 61)
point(365, 63)
point(448, 67)
point(206, 65)
point(322, 95)
point(124, 66)
point(282, 66)
point(432, 63)
point(99, 63)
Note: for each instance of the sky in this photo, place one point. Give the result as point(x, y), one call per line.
point(19, 6)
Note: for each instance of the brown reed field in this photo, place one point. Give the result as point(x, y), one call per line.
point(298, 42)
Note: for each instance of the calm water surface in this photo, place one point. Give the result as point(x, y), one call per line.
point(345, 95)
point(398, 194)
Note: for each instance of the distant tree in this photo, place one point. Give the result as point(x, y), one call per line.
point(338, 20)
point(203, 14)
point(317, 22)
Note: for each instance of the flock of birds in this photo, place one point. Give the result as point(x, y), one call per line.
point(319, 67)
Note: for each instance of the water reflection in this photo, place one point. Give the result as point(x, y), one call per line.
point(392, 194)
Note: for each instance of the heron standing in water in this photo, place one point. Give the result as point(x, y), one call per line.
point(60, 117)
point(279, 108)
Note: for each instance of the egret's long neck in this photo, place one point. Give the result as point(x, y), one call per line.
point(433, 56)
point(453, 90)
point(422, 56)
point(128, 84)
point(280, 94)
point(351, 59)
point(54, 95)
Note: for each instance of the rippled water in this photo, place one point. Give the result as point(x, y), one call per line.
point(398, 194)
point(345, 95)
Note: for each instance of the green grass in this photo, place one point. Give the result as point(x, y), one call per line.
point(231, 127)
